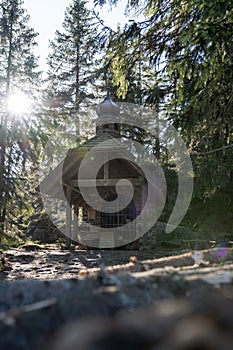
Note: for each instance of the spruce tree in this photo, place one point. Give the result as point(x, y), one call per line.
point(17, 75)
point(71, 64)
point(190, 42)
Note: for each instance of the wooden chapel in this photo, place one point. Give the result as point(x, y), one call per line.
point(81, 219)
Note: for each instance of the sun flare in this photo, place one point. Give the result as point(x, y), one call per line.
point(18, 103)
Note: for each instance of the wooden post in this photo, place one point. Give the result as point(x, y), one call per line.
point(68, 217)
point(106, 172)
point(144, 196)
point(75, 224)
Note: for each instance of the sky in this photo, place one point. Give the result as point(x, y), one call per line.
point(46, 16)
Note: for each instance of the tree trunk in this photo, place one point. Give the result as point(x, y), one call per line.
point(3, 144)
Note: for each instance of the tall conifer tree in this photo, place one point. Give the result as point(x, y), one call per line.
point(17, 74)
point(71, 63)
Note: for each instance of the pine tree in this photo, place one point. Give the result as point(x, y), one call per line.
point(17, 75)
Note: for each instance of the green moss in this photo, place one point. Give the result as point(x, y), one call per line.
point(213, 216)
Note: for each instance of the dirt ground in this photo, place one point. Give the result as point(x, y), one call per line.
point(62, 264)
point(106, 300)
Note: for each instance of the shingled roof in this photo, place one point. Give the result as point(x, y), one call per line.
point(102, 142)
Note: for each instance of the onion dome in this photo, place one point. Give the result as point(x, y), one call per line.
point(107, 108)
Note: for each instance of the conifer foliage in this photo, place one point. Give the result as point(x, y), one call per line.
point(189, 43)
point(18, 75)
point(71, 63)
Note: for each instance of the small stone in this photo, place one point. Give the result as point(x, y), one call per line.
point(83, 273)
point(133, 259)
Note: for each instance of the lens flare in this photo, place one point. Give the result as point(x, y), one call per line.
point(18, 103)
point(221, 251)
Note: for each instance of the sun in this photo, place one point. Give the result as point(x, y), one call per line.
point(18, 103)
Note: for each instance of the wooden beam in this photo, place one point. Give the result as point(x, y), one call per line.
point(103, 182)
point(70, 187)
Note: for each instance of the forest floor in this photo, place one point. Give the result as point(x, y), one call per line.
point(110, 299)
